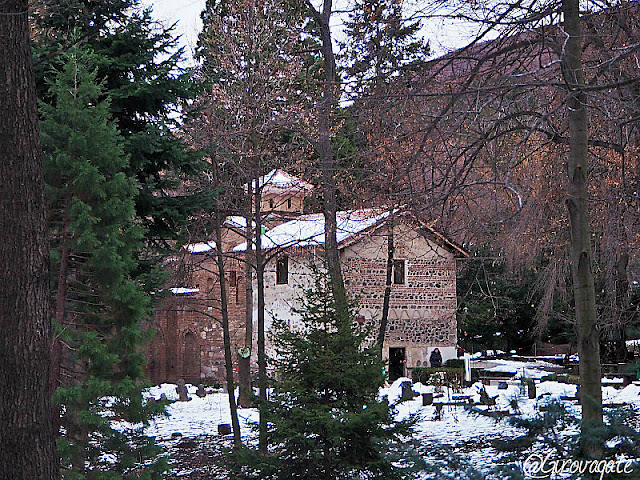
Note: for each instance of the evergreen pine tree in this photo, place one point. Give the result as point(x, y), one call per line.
point(325, 418)
point(140, 64)
point(381, 45)
point(99, 307)
point(142, 85)
point(382, 51)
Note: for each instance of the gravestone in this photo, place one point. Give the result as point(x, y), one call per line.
point(407, 392)
point(531, 388)
point(201, 391)
point(181, 390)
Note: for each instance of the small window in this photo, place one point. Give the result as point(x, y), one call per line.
point(233, 279)
point(399, 274)
point(289, 203)
point(271, 203)
point(282, 270)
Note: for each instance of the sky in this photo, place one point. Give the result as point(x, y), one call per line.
point(187, 15)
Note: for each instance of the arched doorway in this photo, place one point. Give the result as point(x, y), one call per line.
point(171, 346)
point(191, 359)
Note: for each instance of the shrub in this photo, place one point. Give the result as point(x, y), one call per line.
point(454, 363)
point(426, 375)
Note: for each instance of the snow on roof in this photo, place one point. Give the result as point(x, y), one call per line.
point(200, 247)
point(308, 230)
point(183, 290)
point(279, 181)
point(237, 221)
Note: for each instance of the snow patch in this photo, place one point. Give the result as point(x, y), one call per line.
point(629, 394)
point(200, 247)
point(183, 290)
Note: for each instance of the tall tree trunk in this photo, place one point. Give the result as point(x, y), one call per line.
point(226, 335)
point(327, 158)
point(61, 298)
point(244, 364)
point(57, 349)
point(387, 289)
point(621, 289)
point(27, 445)
point(577, 204)
point(262, 358)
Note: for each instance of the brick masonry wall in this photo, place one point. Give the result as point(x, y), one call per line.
point(422, 312)
point(423, 309)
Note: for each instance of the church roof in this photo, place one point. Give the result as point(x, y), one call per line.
point(308, 230)
point(278, 182)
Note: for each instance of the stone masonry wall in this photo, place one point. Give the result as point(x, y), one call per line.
point(422, 315)
point(188, 342)
point(421, 312)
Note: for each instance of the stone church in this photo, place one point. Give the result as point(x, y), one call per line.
point(422, 314)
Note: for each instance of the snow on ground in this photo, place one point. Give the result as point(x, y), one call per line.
point(630, 395)
point(460, 428)
point(532, 369)
point(455, 424)
point(199, 416)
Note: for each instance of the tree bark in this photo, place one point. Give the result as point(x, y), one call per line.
point(577, 204)
point(244, 364)
point(387, 289)
point(327, 158)
point(226, 335)
point(262, 358)
point(27, 442)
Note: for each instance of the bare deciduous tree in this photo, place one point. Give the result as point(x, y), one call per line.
point(485, 131)
point(249, 51)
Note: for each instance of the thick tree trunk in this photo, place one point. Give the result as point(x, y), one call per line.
point(27, 446)
point(226, 335)
point(577, 204)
